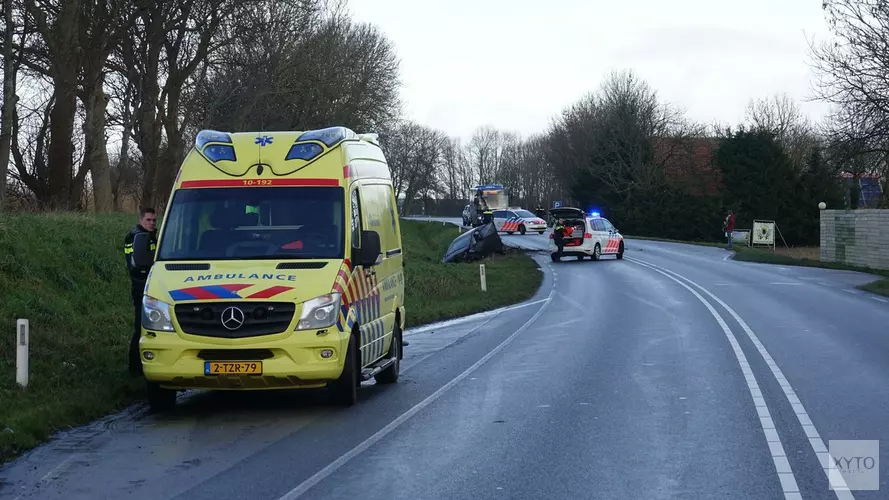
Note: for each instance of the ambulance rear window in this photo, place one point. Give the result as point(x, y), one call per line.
point(254, 223)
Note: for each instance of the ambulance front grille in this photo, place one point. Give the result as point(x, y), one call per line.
point(259, 318)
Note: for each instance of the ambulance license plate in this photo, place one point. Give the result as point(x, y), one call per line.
point(233, 368)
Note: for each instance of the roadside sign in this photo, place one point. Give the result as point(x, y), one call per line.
point(557, 204)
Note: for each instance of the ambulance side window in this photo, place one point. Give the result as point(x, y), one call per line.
point(356, 219)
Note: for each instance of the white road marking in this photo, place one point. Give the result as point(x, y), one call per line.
point(879, 299)
point(572, 302)
point(851, 291)
point(784, 283)
point(823, 283)
point(726, 257)
point(380, 434)
point(779, 457)
point(841, 489)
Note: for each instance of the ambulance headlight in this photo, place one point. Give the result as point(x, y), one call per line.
point(156, 315)
point(320, 312)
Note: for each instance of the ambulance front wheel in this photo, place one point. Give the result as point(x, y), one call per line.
point(344, 390)
point(159, 399)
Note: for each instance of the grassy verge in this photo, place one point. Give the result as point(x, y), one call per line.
point(880, 287)
point(66, 274)
point(451, 290)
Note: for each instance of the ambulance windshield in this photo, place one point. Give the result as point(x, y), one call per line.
point(254, 223)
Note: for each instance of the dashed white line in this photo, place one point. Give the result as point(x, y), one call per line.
point(380, 434)
point(840, 488)
point(779, 457)
point(856, 292)
point(879, 299)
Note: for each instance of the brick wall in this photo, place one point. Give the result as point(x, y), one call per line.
point(855, 237)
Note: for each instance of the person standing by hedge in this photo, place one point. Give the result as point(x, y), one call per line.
point(729, 227)
point(138, 277)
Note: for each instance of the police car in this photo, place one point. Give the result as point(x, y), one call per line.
point(518, 220)
point(590, 235)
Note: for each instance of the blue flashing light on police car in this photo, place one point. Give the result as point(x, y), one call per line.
point(303, 152)
point(219, 152)
point(594, 214)
point(207, 136)
point(329, 136)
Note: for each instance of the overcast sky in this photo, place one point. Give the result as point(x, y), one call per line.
point(513, 64)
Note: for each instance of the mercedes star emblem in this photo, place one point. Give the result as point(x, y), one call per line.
point(232, 318)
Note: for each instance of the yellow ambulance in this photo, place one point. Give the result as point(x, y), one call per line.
point(278, 266)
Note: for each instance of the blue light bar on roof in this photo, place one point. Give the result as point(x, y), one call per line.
point(304, 151)
point(489, 186)
point(219, 152)
point(594, 214)
point(205, 136)
point(329, 136)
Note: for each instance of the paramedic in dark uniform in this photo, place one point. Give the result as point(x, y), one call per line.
point(138, 277)
point(559, 239)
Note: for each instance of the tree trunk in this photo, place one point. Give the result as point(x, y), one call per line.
point(95, 158)
point(66, 67)
point(9, 101)
point(123, 162)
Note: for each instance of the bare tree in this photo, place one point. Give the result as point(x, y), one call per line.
point(10, 71)
point(58, 24)
point(781, 116)
point(103, 23)
point(854, 70)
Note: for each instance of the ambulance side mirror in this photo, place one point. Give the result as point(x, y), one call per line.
point(143, 256)
point(370, 253)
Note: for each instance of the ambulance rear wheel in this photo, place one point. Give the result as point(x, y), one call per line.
point(159, 399)
point(344, 390)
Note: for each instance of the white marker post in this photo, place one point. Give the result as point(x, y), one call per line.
point(21, 352)
point(481, 273)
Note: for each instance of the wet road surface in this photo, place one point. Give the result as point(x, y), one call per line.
point(673, 373)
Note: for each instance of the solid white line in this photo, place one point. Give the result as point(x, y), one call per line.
point(779, 457)
point(380, 434)
point(815, 441)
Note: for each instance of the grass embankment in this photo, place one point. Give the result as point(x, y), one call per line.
point(65, 273)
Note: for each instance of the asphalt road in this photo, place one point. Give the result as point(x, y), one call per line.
point(674, 373)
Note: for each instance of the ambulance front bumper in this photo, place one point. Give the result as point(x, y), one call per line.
point(299, 359)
